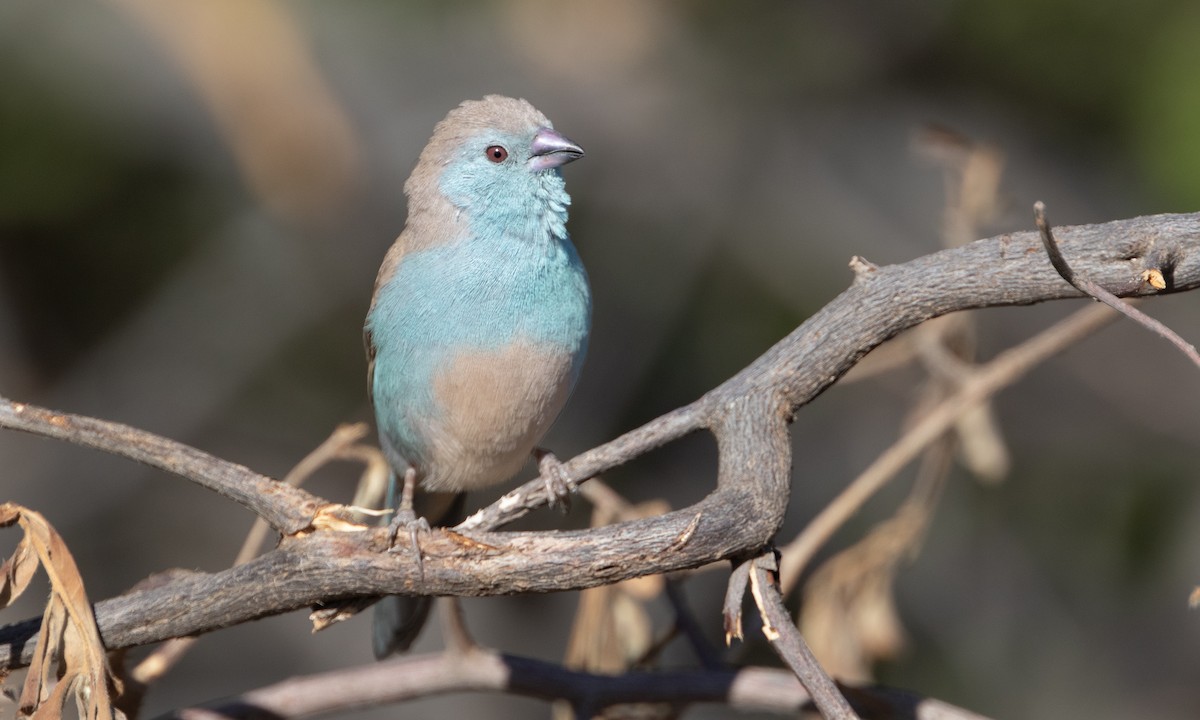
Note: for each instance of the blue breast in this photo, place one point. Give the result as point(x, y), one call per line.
point(520, 279)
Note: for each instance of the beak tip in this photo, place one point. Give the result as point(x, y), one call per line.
point(551, 149)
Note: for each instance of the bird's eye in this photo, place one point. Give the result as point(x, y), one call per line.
point(497, 154)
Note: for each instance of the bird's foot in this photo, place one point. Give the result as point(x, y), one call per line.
point(406, 519)
point(413, 525)
point(559, 485)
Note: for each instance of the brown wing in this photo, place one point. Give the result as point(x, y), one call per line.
point(390, 261)
point(420, 226)
point(369, 345)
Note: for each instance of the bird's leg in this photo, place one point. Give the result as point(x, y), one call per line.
point(558, 485)
point(407, 518)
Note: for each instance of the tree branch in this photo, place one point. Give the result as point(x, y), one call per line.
point(747, 415)
point(406, 678)
point(1153, 276)
point(1009, 269)
point(287, 509)
point(785, 637)
point(976, 387)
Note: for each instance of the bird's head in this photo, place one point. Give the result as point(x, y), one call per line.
point(497, 159)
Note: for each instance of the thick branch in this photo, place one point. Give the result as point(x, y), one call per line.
point(747, 415)
point(327, 566)
point(1010, 269)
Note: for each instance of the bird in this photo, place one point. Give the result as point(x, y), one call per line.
point(478, 324)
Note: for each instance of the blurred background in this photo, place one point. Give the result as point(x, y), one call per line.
point(195, 197)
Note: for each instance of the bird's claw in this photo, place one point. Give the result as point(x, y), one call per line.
point(406, 518)
point(414, 525)
point(559, 485)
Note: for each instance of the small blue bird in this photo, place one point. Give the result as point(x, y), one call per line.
point(479, 322)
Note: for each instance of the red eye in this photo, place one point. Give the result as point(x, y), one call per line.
point(497, 154)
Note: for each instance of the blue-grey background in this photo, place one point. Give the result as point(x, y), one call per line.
point(194, 198)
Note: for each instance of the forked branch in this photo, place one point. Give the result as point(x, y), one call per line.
point(321, 562)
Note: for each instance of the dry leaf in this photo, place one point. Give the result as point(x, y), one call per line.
point(848, 615)
point(69, 659)
point(18, 571)
point(981, 445)
point(612, 627)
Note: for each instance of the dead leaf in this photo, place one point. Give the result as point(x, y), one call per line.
point(848, 616)
point(69, 659)
point(982, 447)
point(612, 628)
point(18, 571)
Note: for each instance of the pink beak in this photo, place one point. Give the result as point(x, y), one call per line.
point(550, 150)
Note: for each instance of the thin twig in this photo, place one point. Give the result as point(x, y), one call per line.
point(660, 431)
point(753, 689)
point(783, 635)
point(988, 379)
point(685, 622)
point(160, 662)
point(333, 448)
point(1094, 290)
point(287, 509)
point(735, 590)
